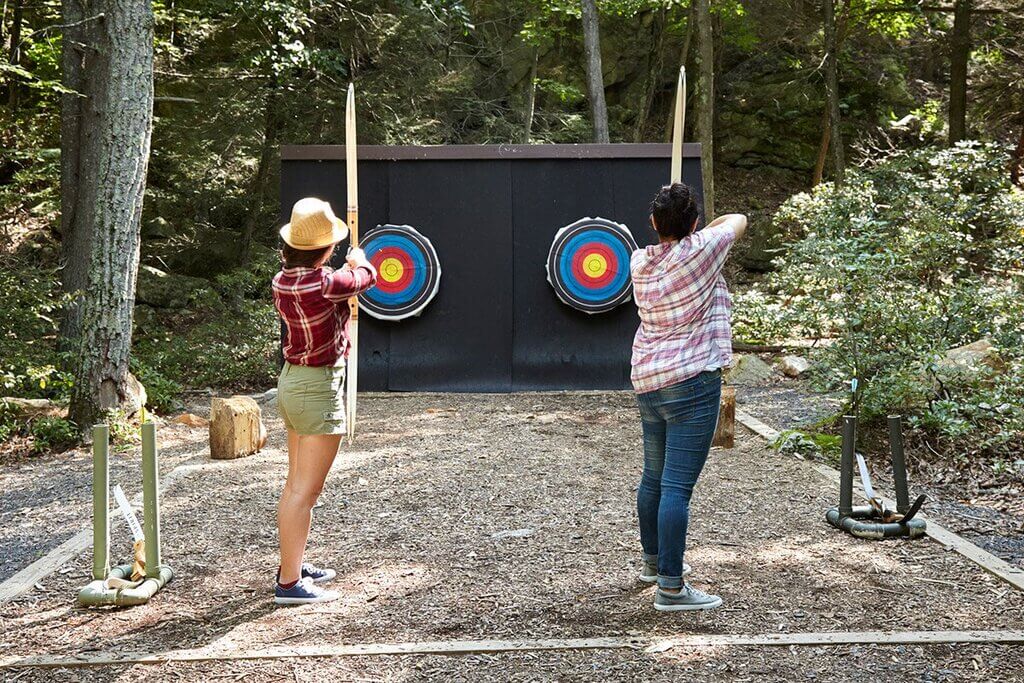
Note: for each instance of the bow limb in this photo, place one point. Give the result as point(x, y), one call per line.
point(352, 369)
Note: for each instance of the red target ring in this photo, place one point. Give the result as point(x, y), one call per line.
point(580, 272)
point(402, 257)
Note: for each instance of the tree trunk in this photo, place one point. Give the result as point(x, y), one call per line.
point(684, 55)
point(271, 129)
point(112, 143)
point(653, 72)
point(1017, 163)
point(832, 91)
point(531, 97)
point(705, 128)
point(826, 135)
point(959, 54)
point(595, 74)
point(15, 54)
point(78, 154)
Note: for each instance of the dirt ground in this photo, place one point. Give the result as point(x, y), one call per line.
point(512, 516)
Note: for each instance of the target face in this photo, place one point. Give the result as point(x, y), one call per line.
point(408, 272)
point(588, 264)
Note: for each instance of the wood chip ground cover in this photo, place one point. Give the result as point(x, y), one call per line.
point(467, 516)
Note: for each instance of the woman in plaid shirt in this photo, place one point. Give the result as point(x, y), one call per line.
point(680, 348)
point(312, 300)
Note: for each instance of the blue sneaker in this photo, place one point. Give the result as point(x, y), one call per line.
point(304, 591)
point(317, 574)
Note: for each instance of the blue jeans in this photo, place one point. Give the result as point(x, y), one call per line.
point(679, 424)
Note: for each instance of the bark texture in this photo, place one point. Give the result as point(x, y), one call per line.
point(109, 145)
point(261, 181)
point(1017, 163)
point(654, 68)
point(595, 73)
point(83, 52)
point(959, 54)
point(826, 136)
point(531, 97)
point(832, 91)
point(684, 56)
point(14, 56)
point(705, 128)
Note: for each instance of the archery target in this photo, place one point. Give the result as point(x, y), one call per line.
point(408, 272)
point(588, 264)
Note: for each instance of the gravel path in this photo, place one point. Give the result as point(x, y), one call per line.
point(505, 516)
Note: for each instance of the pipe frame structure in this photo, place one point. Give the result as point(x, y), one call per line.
point(863, 521)
point(97, 593)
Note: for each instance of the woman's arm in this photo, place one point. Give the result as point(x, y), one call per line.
point(356, 276)
point(736, 221)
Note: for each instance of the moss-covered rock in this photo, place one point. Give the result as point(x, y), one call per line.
point(168, 290)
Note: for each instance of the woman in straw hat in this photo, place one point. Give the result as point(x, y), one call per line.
point(311, 299)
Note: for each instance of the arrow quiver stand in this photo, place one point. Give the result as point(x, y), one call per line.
point(114, 586)
point(875, 521)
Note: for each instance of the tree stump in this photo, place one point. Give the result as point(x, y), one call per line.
point(725, 434)
point(236, 427)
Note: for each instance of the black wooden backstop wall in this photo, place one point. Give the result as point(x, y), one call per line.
point(491, 213)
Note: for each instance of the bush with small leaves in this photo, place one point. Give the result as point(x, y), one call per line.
point(916, 255)
point(53, 434)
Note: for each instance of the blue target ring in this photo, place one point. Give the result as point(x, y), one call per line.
point(588, 264)
point(619, 281)
point(408, 272)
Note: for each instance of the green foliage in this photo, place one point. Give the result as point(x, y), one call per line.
point(238, 344)
point(53, 434)
point(8, 421)
point(565, 93)
point(29, 309)
point(916, 255)
point(237, 351)
point(759, 318)
point(808, 444)
point(163, 395)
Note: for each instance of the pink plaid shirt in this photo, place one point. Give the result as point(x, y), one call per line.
point(313, 303)
point(684, 309)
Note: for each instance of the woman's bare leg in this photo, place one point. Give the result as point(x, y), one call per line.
point(309, 460)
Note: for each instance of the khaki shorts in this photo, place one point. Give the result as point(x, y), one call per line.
point(311, 400)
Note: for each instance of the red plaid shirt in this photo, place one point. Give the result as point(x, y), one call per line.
point(313, 303)
point(684, 309)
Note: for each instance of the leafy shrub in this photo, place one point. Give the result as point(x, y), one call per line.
point(918, 254)
point(29, 315)
point(162, 394)
point(237, 351)
point(759, 318)
point(51, 434)
point(808, 444)
point(8, 422)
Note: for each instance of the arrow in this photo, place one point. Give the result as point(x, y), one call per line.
point(677, 128)
point(352, 371)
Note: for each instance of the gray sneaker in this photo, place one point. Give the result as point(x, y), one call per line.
point(649, 571)
point(688, 599)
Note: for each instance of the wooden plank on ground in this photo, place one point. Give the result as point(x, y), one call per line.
point(753, 424)
point(464, 647)
point(984, 559)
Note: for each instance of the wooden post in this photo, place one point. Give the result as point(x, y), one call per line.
point(100, 502)
point(725, 433)
point(151, 500)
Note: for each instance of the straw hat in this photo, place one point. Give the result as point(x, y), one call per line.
point(313, 225)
